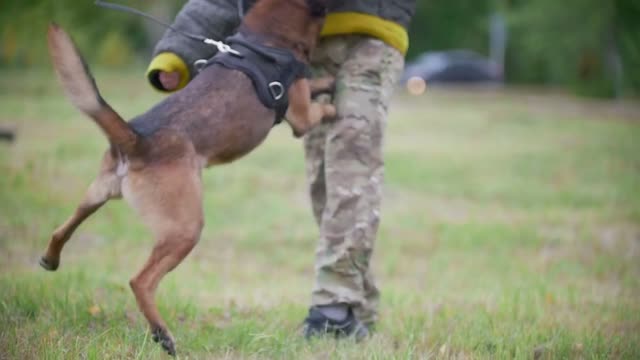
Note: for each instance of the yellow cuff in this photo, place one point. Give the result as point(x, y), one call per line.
point(343, 23)
point(167, 62)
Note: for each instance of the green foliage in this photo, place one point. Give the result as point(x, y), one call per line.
point(23, 27)
point(628, 33)
point(115, 50)
point(452, 24)
point(568, 43)
point(564, 41)
point(557, 43)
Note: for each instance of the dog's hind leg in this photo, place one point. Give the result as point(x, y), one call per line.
point(169, 199)
point(104, 187)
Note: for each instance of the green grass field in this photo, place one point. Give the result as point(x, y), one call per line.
point(511, 229)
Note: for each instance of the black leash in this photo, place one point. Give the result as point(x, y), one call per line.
point(222, 47)
point(241, 9)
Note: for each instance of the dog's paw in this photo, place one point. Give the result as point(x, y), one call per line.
point(298, 134)
point(49, 265)
point(330, 112)
point(165, 339)
point(323, 86)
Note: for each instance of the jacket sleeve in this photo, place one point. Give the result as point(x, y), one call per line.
point(215, 19)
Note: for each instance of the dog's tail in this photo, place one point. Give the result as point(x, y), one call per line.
point(80, 87)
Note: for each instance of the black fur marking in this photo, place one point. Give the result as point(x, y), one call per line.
point(317, 8)
point(159, 335)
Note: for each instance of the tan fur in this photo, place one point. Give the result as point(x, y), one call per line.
point(80, 88)
point(155, 161)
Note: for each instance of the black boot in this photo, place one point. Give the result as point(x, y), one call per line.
point(326, 320)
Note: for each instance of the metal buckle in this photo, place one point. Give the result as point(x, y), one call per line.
point(200, 64)
point(222, 47)
point(276, 89)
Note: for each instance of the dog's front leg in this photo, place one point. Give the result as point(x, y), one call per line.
point(303, 114)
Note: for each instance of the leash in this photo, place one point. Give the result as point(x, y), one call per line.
point(241, 9)
point(222, 47)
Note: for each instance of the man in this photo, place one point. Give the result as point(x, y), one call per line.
point(363, 45)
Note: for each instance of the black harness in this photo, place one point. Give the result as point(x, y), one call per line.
point(272, 70)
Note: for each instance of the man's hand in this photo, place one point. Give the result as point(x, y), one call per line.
point(169, 80)
point(168, 72)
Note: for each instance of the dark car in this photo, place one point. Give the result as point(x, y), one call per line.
point(454, 66)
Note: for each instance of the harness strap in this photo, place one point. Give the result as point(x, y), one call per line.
point(272, 71)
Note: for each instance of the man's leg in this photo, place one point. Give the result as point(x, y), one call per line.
point(353, 171)
point(314, 159)
point(323, 64)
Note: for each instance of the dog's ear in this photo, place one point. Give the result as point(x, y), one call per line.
point(318, 8)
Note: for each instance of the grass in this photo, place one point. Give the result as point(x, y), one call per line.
point(511, 229)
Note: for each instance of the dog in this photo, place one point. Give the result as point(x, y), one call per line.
point(155, 161)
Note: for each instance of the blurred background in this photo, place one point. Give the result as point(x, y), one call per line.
point(590, 47)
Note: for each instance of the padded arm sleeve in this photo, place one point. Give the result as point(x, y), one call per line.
point(215, 19)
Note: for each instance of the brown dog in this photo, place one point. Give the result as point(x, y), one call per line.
point(155, 162)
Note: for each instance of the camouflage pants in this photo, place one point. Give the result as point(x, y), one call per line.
point(345, 168)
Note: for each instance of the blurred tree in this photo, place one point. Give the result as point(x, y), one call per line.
point(565, 42)
point(591, 46)
point(23, 25)
point(627, 34)
point(440, 25)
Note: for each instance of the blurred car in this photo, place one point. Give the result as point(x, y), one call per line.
point(454, 66)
